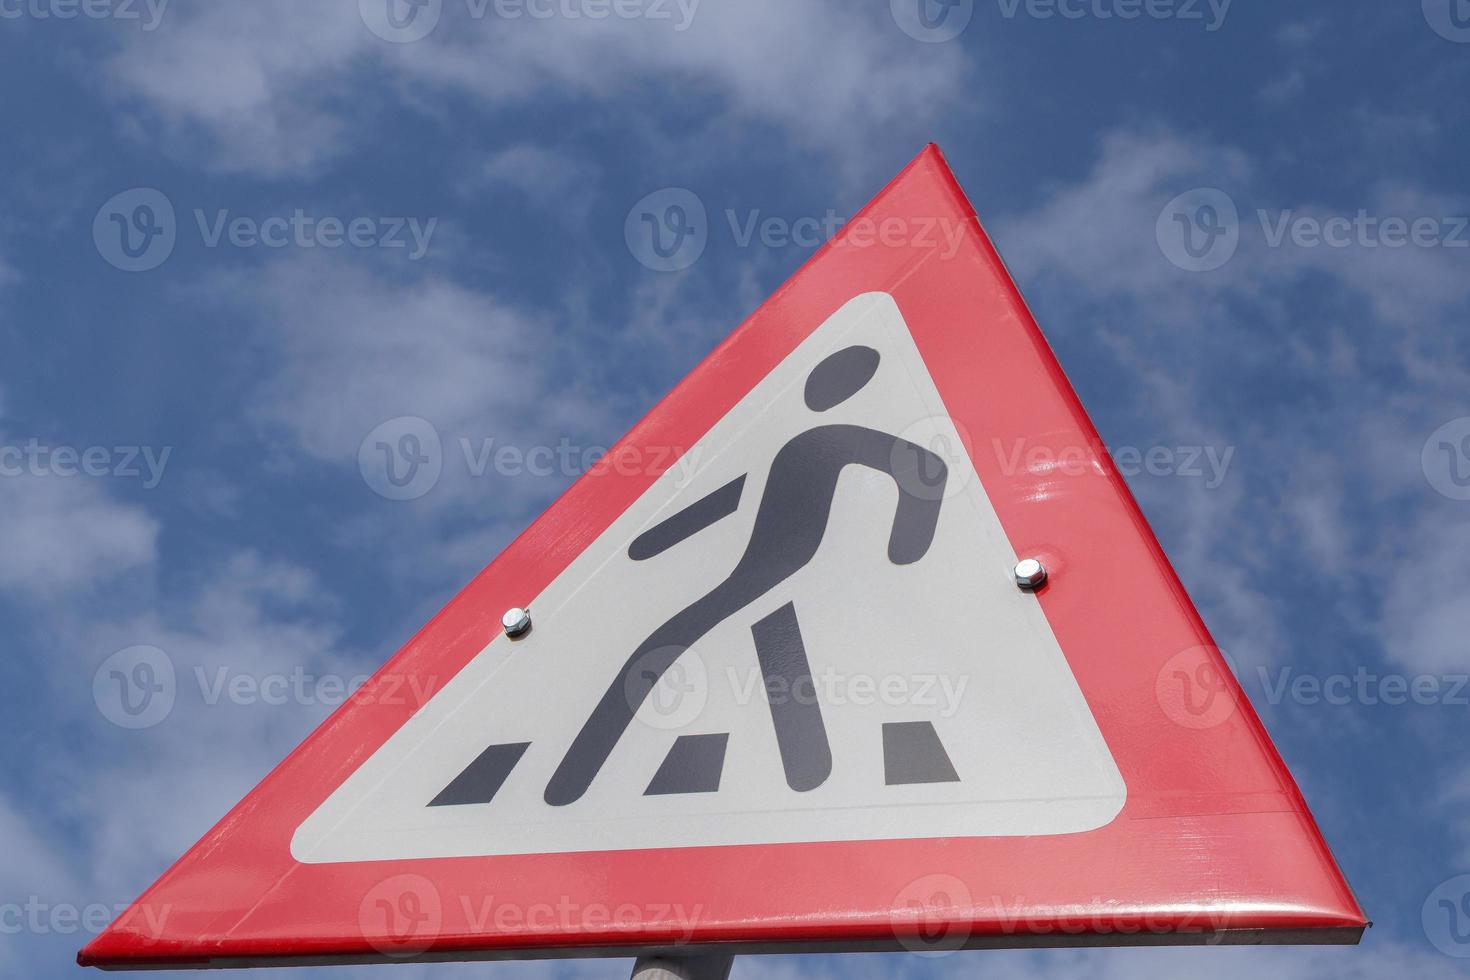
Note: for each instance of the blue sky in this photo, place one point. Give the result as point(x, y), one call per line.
point(180, 444)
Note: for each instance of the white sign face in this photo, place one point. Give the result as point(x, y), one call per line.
point(807, 630)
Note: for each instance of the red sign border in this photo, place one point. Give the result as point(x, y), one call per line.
point(1215, 842)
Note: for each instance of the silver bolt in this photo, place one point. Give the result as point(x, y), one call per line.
point(1030, 574)
point(517, 622)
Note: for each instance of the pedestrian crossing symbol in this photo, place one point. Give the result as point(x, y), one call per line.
point(807, 630)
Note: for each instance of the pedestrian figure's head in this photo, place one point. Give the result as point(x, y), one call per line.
point(839, 377)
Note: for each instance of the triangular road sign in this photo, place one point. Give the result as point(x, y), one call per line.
point(857, 641)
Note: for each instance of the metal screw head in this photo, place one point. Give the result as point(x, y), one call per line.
point(517, 622)
point(1030, 574)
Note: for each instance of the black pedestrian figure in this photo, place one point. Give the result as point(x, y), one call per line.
point(789, 525)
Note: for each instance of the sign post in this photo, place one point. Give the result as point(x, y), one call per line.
point(683, 968)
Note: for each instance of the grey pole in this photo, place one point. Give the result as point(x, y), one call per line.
point(715, 967)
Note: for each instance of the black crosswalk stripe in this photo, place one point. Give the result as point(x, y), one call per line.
point(482, 778)
point(694, 765)
point(913, 754)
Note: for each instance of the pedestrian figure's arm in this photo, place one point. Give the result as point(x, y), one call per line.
point(921, 476)
point(688, 522)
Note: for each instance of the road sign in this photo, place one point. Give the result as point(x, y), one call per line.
point(855, 642)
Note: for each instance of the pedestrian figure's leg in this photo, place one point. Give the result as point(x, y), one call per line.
point(805, 754)
point(637, 679)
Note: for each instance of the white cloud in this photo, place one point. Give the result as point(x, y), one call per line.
point(1314, 502)
point(1425, 622)
point(1373, 960)
point(1285, 88)
point(64, 533)
point(255, 79)
point(33, 864)
point(352, 349)
point(1296, 38)
point(34, 880)
point(1099, 233)
point(347, 348)
point(133, 800)
point(246, 617)
point(1409, 286)
point(546, 177)
point(139, 798)
point(277, 87)
point(1455, 800)
point(1091, 251)
point(1300, 33)
point(561, 186)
